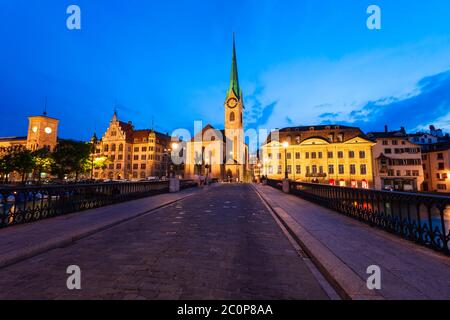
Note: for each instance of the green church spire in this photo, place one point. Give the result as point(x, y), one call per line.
point(234, 82)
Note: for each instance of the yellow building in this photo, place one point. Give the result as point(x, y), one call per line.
point(221, 154)
point(124, 153)
point(436, 165)
point(335, 155)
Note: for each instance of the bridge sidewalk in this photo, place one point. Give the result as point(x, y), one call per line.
point(343, 248)
point(24, 241)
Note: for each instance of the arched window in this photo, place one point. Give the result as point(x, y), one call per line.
point(113, 147)
point(106, 148)
point(120, 147)
point(232, 117)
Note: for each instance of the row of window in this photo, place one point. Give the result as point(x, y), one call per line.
point(439, 156)
point(320, 169)
point(423, 140)
point(120, 148)
point(394, 142)
point(440, 166)
point(401, 162)
point(319, 155)
point(331, 137)
point(136, 157)
point(407, 173)
point(136, 166)
point(135, 174)
point(402, 150)
point(114, 133)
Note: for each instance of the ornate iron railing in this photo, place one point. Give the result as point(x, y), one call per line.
point(27, 204)
point(422, 218)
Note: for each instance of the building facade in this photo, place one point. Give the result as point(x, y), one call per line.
point(335, 155)
point(436, 165)
point(222, 154)
point(397, 162)
point(124, 153)
point(42, 133)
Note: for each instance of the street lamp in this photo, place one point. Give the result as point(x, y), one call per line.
point(174, 148)
point(266, 171)
point(167, 152)
point(94, 142)
point(286, 173)
point(259, 171)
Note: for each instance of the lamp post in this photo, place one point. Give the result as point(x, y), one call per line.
point(266, 171)
point(259, 171)
point(94, 142)
point(286, 173)
point(167, 152)
point(175, 148)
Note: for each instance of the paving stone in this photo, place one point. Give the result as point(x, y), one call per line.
point(237, 252)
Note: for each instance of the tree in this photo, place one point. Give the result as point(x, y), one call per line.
point(6, 166)
point(70, 157)
point(16, 159)
point(43, 161)
point(23, 162)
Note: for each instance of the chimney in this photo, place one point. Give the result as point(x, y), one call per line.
point(385, 128)
point(403, 130)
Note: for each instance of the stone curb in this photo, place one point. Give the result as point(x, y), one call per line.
point(347, 283)
point(54, 243)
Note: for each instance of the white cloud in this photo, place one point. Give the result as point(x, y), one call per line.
point(305, 89)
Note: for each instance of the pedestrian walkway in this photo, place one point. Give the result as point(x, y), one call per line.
point(26, 240)
point(344, 248)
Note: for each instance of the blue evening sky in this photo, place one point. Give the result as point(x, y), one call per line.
point(301, 62)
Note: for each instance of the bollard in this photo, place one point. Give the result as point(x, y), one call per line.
point(286, 183)
point(174, 185)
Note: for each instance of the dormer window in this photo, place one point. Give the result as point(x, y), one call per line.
point(331, 137)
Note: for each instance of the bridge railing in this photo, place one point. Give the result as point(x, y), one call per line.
point(422, 218)
point(27, 204)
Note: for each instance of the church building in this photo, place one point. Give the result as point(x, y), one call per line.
point(222, 153)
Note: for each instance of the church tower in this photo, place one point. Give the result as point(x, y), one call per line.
point(235, 156)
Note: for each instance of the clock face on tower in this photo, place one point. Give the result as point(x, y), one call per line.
point(232, 103)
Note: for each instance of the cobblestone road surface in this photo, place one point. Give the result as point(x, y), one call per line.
point(223, 244)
